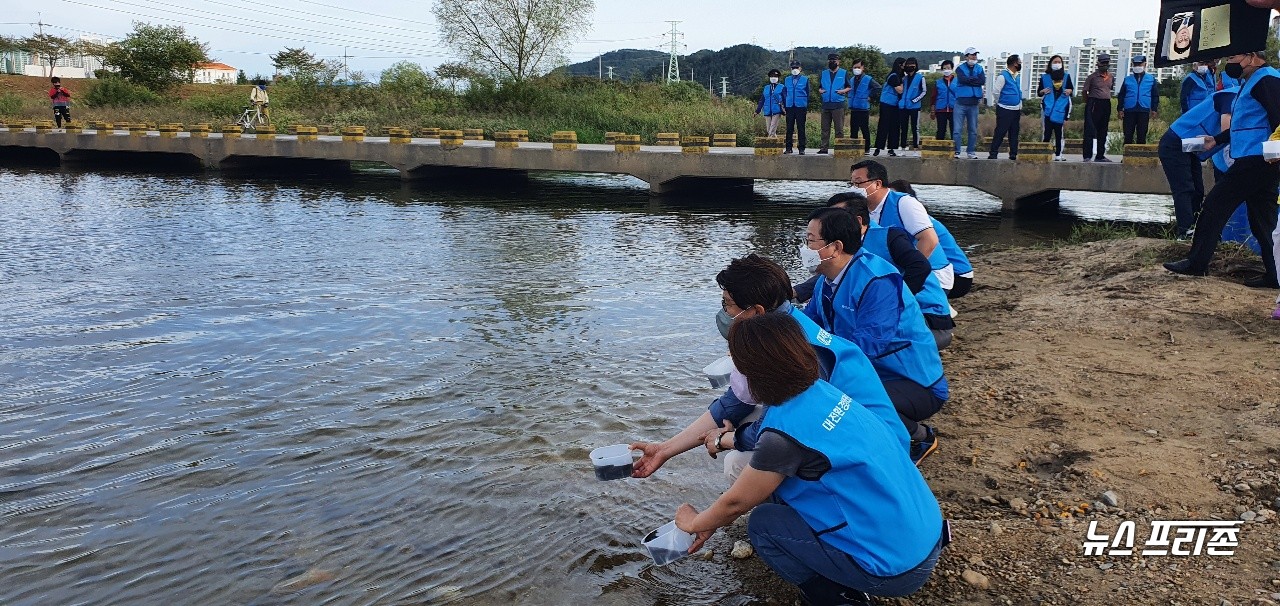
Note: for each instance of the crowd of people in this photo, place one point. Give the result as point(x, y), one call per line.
point(822, 427)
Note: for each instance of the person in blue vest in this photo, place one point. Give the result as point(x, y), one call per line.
point(971, 83)
point(896, 209)
point(752, 286)
point(1139, 98)
point(1197, 86)
point(1254, 116)
point(795, 101)
point(833, 85)
point(1008, 94)
point(771, 103)
point(862, 89)
point(890, 95)
point(1056, 80)
point(861, 297)
point(962, 268)
point(914, 90)
point(944, 102)
point(835, 508)
point(1184, 170)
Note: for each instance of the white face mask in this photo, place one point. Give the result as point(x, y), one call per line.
point(857, 71)
point(810, 259)
point(1202, 69)
point(795, 72)
point(1139, 69)
point(948, 72)
point(1057, 66)
point(971, 62)
point(773, 80)
point(861, 191)
point(738, 383)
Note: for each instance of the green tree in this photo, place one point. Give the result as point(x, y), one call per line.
point(407, 82)
point(872, 58)
point(49, 48)
point(157, 56)
point(241, 78)
point(296, 62)
point(513, 39)
point(94, 50)
point(455, 73)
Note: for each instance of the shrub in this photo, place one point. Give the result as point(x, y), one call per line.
point(10, 104)
point(115, 92)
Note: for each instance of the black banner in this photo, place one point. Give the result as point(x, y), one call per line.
point(1204, 30)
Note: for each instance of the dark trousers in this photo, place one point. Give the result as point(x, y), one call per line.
point(1053, 130)
point(1136, 123)
point(830, 117)
point(1008, 122)
point(796, 117)
point(1186, 180)
point(961, 288)
point(946, 124)
point(1254, 181)
point(909, 118)
point(913, 402)
point(860, 122)
point(1097, 119)
point(60, 112)
point(887, 130)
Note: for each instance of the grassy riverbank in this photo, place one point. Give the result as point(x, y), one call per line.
point(586, 105)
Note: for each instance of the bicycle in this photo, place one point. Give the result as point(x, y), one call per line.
point(253, 117)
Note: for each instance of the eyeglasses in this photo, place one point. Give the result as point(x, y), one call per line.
point(810, 242)
point(860, 183)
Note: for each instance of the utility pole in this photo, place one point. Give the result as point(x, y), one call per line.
point(610, 71)
point(673, 64)
point(346, 73)
point(724, 86)
point(600, 66)
point(792, 56)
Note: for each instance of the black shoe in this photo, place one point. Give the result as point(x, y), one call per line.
point(822, 151)
point(893, 153)
point(1184, 267)
point(992, 157)
point(823, 591)
point(1013, 158)
point(877, 152)
point(1262, 282)
point(1102, 159)
point(787, 152)
point(802, 152)
point(925, 447)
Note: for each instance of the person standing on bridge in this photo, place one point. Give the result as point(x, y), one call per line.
point(944, 102)
point(1056, 108)
point(1008, 93)
point(771, 103)
point(914, 90)
point(890, 95)
point(1139, 98)
point(833, 85)
point(862, 87)
point(260, 100)
point(1254, 116)
point(1097, 109)
point(795, 101)
point(970, 91)
point(61, 98)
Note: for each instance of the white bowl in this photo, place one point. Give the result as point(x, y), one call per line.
point(718, 372)
point(668, 544)
point(612, 462)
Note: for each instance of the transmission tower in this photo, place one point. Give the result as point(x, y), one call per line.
point(724, 86)
point(673, 65)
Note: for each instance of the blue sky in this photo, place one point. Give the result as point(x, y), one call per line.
point(377, 33)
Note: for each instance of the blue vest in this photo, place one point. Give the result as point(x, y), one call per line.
point(970, 92)
point(891, 216)
point(1046, 81)
point(911, 353)
point(860, 96)
point(872, 503)
point(831, 85)
point(1202, 87)
point(1011, 94)
point(932, 299)
point(1137, 93)
point(797, 88)
point(772, 95)
point(1249, 124)
point(1057, 104)
point(846, 367)
point(946, 98)
point(912, 86)
point(948, 244)
point(1202, 119)
point(888, 96)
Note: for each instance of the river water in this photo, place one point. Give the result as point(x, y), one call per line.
point(209, 387)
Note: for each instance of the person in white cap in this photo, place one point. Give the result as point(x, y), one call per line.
point(971, 82)
point(1139, 98)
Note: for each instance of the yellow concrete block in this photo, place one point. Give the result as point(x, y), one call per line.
point(452, 139)
point(626, 143)
point(724, 140)
point(668, 139)
point(473, 134)
point(768, 146)
point(306, 133)
point(1141, 155)
point(353, 133)
point(231, 131)
point(937, 148)
point(1035, 153)
point(506, 139)
point(695, 145)
point(431, 133)
point(564, 140)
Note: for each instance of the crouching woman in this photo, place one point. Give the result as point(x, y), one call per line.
point(837, 507)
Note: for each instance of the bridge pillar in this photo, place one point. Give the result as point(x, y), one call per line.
point(694, 185)
point(1041, 202)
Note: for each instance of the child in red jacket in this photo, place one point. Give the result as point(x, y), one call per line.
point(61, 98)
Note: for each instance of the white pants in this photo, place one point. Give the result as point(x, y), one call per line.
point(946, 276)
point(736, 460)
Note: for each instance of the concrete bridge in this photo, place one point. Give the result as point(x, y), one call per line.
point(1021, 186)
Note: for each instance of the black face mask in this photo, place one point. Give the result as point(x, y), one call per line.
point(1234, 70)
point(832, 64)
point(912, 68)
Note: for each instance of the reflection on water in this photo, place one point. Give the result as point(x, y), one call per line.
point(385, 393)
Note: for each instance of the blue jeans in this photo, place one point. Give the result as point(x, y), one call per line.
point(790, 548)
point(966, 120)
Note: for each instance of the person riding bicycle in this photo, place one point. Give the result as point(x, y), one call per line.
point(260, 102)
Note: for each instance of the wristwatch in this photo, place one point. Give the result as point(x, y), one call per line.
point(719, 447)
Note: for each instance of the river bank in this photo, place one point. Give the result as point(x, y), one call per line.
point(1086, 369)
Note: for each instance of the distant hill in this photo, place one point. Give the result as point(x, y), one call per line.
point(745, 65)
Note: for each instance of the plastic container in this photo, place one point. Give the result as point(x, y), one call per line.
point(718, 372)
point(668, 544)
point(1271, 150)
point(1193, 144)
point(612, 462)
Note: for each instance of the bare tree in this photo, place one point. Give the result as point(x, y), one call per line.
point(513, 39)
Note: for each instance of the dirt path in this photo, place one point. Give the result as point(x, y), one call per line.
point(1088, 369)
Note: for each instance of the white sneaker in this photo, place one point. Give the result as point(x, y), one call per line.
point(1059, 159)
point(973, 156)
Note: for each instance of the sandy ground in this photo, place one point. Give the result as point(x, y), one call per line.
point(1087, 369)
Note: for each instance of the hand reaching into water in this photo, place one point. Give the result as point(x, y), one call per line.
point(651, 459)
point(685, 515)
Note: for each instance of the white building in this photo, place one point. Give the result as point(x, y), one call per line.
point(67, 66)
point(1085, 59)
point(214, 73)
point(1144, 44)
